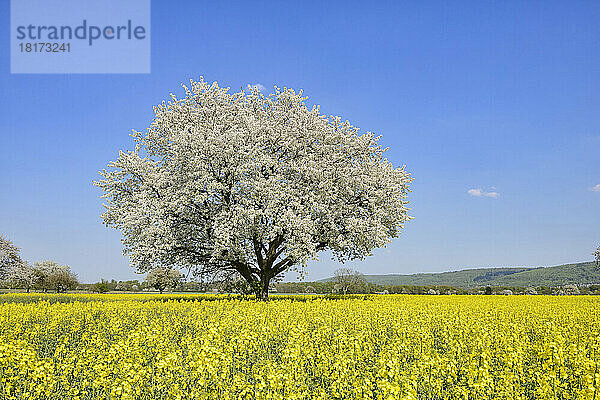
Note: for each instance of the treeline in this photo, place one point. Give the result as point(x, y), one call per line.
point(61, 283)
point(42, 276)
point(105, 286)
point(50, 276)
point(329, 288)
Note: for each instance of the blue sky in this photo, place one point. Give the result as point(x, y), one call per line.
point(498, 96)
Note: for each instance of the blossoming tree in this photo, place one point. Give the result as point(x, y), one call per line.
point(161, 278)
point(346, 279)
point(252, 184)
point(9, 257)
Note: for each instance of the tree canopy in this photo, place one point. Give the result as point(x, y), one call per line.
point(24, 275)
point(54, 276)
point(347, 280)
point(251, 183)
point(9, 257)
point(161, 278)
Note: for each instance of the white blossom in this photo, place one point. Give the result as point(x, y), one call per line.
point(23, 275)
point(51, 275)
point(161, 278)
point(9, 256)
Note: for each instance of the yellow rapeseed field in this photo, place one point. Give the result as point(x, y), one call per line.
point(374, 347)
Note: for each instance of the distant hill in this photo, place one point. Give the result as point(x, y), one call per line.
point(580, 273)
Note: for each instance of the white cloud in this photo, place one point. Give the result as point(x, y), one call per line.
point(595, 188)
point(258, 86)
point(480, 193)
point(475, 192)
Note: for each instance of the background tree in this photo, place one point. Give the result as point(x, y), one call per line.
point(52, 276)
point(597, 257)
point(9, 256)
point(24, 276)
point(530, 291)
point(100, 287)
point(161, 278)
point(193, 287)
point(42, 270)
point(63, 280)
point(571, 289)
point(348, 280)
point(127, 285)
point(251, 184)
point(234, 283)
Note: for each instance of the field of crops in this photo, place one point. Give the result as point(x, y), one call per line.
point(376, 347)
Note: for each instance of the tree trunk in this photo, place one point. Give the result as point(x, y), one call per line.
point(261, 288)
point(268, 266)
point(264, 289)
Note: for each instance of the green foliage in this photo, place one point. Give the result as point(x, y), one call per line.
point(162, 278)
point(100, 287)
point(580, 274)
point(52, 276)
point(61, 281)
point(238, 286)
